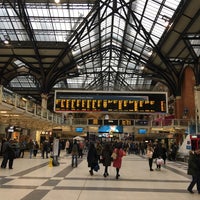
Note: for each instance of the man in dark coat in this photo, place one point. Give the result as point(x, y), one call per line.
point(8, 155)
point(75, 153)
point(193, 170)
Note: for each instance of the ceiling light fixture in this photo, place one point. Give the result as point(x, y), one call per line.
point(166, 20)
point(6, 40)
point(3, 112)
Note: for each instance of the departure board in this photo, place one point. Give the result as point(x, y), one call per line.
point(101, 101)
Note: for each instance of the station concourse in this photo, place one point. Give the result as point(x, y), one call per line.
point(36, 179)
point(101, 49)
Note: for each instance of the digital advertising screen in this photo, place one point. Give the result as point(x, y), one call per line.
point(79, 129)
point(142, 131)
point(110, 128)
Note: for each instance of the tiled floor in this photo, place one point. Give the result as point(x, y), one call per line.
point(34, 179)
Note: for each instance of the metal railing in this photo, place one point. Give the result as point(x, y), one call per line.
point(133, 122)
point(14, 100)
point(17, 101)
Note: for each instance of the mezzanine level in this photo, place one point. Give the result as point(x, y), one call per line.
point(160, 126)
point(16, 110)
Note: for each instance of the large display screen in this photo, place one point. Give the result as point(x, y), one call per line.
point(79, 129)
point(102, 101)
point(142, 131)
point(110, 129)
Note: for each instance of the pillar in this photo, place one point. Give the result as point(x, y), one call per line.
point(197, 98)
point(44, 101)
point(1, 93)
point(197, 106)
point(178, 107)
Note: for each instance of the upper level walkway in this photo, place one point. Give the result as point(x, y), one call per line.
point(19, 111)
point(16, 110)
point(35, 179)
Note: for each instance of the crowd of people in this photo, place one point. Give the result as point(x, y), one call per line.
point(97, 152)
point(11, 149)
point(102, 153)
point(105, 153)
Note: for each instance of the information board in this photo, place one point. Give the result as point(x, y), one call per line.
point(115, 101)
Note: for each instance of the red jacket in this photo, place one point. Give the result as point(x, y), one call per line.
point(118, 161)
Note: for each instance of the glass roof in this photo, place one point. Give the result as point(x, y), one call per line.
point(50, 22)
point(195, 43)
point(111, 41)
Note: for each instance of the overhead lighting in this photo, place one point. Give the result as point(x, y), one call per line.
point(5, 39)
point(19, 63)
point(6, 42)
point(166, 20)
point(23, 99)
point(11, 115)
point(142, 67)
point(150, 53)
point(3, 112)
point(106, 117)
point(57, 1)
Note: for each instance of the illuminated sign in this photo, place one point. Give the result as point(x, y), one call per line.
point(142, 131)
point(102, 101)
point(95, 121)
point(110, 129)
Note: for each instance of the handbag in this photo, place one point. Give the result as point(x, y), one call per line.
point(96, 168)
point(114, 156)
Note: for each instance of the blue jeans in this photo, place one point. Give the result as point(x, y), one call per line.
point(74, 160)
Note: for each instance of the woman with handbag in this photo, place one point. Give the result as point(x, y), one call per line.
point(117, 162)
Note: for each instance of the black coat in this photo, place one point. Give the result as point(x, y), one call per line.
point(92, 157)
point(106, 156)
point(193, 165)
point(11, 152)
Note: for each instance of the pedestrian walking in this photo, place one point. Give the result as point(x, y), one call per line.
point(99, 149)
point(8, 154)
point(194, 170)
point(75, 153)
point(117, 162)
point(67, 145)
point(46, 149)
point(159, 162)
point(150, 152)
point(30, 147)
point(92, 158)
point(106, 158)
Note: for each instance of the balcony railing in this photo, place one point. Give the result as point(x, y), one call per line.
point(132, 122)
point(12, 100)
